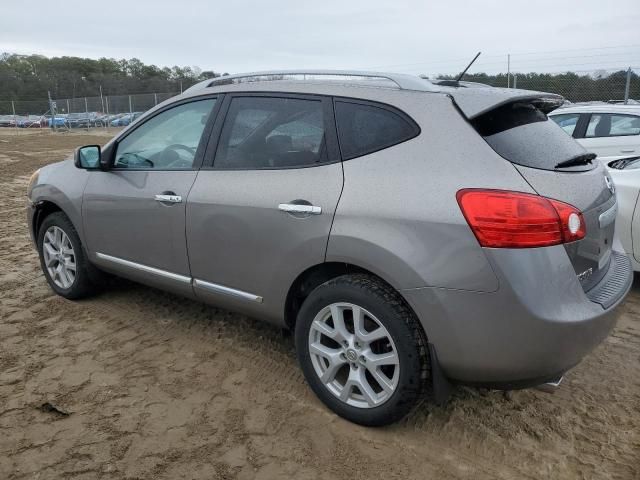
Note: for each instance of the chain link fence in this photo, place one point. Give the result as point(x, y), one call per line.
point(614, 86)
point(80, 112)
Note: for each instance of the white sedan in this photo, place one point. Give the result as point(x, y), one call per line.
point(610, 131)
point(626, 177)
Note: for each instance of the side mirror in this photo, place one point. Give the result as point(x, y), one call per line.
point(87, 157)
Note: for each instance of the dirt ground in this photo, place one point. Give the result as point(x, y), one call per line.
point(156, 386)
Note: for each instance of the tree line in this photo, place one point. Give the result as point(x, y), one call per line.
point(30, 77)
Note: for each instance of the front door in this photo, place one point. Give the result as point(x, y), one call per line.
point(262, 213)
point(134, 214)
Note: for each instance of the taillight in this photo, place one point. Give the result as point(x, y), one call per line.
point(504, 219)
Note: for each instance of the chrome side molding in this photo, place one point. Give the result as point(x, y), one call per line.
point(144, 268)
point(551, 386)
point(211, 287)
point(215, 288)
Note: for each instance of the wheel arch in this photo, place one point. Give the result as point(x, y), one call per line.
point(315, 276)
point(42, 210)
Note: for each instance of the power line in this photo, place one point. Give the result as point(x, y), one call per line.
point(504, 56)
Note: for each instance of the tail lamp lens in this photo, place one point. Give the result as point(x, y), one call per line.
point(504, 219)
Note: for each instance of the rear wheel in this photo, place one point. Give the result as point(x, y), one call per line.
point(362, 350)
point(63, 260)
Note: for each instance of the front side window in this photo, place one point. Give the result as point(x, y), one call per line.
point(167, 141)
point(269, 132)
point(612, 125)
point(364, 128)
point(566, 121)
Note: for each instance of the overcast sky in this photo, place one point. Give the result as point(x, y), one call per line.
point(404, 36)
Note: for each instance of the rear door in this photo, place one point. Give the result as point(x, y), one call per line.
point(260, 213)
point(556, 166)
point(612, 135)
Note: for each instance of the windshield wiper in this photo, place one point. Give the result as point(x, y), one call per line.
point(622, 163)
point(583, 159)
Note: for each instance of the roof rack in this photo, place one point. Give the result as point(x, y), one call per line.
point(352, 77)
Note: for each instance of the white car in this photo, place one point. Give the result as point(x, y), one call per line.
point(610, 131)
point(626, 178)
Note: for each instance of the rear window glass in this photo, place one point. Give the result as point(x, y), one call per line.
point(525, 136)
point(365, 128)
point(272, 132)
point(611, 125)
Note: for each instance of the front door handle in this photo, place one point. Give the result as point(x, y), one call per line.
point(627, 151)
point(300, 208)
point(168, 198)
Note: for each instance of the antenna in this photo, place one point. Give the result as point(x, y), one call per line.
point(468, 67)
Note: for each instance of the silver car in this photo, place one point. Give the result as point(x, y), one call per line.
point(411, 235)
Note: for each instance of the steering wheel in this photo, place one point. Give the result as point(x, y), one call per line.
point(179, 146)
point(175, 147)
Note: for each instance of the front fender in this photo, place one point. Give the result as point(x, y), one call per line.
point(62, 184)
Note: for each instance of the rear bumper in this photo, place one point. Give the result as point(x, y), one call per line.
point(539, 323)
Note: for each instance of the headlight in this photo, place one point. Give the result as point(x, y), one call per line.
point(32, 181)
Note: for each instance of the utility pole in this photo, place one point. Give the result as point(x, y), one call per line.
point(52, 108)
point(626, 86)
point(508, 69)
point(15, 123)
point(86, 111)
point(101, 100)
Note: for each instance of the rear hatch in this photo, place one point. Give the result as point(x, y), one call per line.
point(557, 167)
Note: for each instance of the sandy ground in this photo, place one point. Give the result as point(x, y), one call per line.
point(161, 387)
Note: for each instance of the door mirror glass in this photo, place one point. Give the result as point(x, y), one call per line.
point(87, 157)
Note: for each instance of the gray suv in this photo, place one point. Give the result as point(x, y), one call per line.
point(411, 235)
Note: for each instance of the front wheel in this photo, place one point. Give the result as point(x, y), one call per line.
point(63, 260)
point(362, 349)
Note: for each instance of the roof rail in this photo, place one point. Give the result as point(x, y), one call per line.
point(389, 80)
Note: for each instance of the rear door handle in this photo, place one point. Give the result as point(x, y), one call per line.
point(296, 208)
point(627, 151)
point(165, 198)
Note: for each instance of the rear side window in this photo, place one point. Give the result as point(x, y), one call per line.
point(612, 125)
point(365, 128)
point(524, 135)
point(270, 132)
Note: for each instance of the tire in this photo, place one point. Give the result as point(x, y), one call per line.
point(86, 276)
point(320, 347)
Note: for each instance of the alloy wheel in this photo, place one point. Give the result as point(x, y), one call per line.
point(59, 257)
point(354, 356)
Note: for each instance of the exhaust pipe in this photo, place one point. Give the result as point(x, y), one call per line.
point(551, 386)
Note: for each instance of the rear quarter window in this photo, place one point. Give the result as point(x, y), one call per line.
point(365, 127)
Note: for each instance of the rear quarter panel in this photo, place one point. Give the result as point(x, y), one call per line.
point(398, 215)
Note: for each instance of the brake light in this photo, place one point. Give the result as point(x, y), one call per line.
point(504, 219)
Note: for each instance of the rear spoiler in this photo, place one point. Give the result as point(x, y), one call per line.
point(473, 102)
